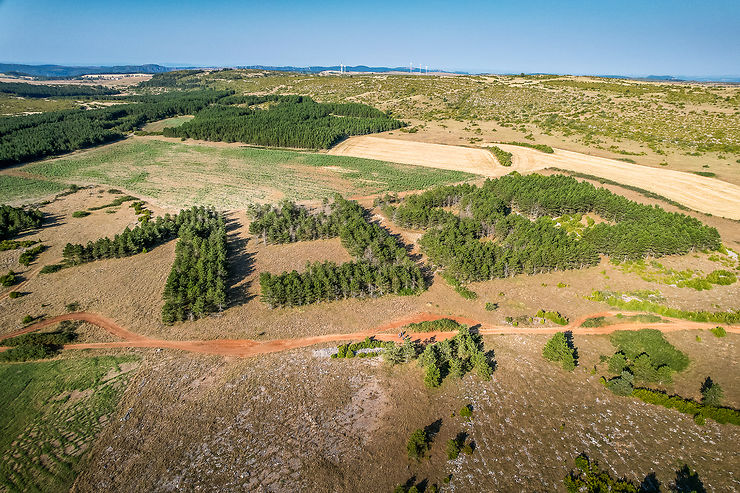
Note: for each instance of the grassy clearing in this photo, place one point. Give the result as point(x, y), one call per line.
point(13, 105)
point(185, 175)
point(50, 412)
point(14, 188)
point(167, 122)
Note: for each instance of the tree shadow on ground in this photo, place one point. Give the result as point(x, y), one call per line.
point(571, 345)
point(688, 481)
point(432, 430)
point(240, 265)
point(650, 484)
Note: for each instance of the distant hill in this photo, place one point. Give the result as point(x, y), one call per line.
point(67, 71)
point(348, 68)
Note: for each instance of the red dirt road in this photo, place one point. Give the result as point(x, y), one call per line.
point(248, 347)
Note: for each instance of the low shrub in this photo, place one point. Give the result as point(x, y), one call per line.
point(51, 268)
point(8, 279)
point(721, 277)
point(718, 331)
point(351, 350)
point(440, 325)
point(26, 352)
point(491, 306)
point(27, 319)
point(503, 157)
point(540, 147)
point(721, 415)
point(30, 255)
point(14, 294)
point(554, 317)
point(80, 214)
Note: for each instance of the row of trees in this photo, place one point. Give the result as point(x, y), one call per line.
point(530, 241)
point(24, 138)
point(13, 220)
point(288, 223)
point(302, 123)
point(382, 265)
point(51, 91)
point(196, 285)
point(197, 282)
point(141, 238)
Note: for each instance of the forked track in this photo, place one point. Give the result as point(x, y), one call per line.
point(249, 347)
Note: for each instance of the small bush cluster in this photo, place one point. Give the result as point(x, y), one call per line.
point(351, 350)
point(718, 331)
point(30, 255)
point(439, 325)
point(587, 476)
point(554, 317)
point(540, 147)
point(8, 279)
point(503, 157)
point(13, 244)
point(646, 355)
point(116, 202)
point(80, 214)
point(39, 345)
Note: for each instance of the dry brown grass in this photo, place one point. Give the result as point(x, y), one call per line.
point(297, 422)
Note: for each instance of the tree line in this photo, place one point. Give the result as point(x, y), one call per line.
point(51, 91)
point(24, 138)
point(381, 264)
point(14, 220)
point(515, 211)
point(197, 281)
point(196, 285)
point(296, 121)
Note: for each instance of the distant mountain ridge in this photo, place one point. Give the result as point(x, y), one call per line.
point(314, 69)
point(152, 68)
point(67, 71)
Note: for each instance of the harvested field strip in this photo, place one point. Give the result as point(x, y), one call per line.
point(248, 347)
point(697, 192)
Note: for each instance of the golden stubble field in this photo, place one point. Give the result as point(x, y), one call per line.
point(697, 192)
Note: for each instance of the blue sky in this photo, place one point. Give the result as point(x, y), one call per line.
point(597, 36)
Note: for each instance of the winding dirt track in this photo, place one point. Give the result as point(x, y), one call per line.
point(697, 192)
point(249, 347)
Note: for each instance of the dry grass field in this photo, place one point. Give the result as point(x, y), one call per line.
point(296, 421)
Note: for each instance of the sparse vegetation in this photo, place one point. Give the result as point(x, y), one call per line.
point(632, 302)
point(539, 147)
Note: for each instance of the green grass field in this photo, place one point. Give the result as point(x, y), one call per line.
point(15, 188)
point(175, 121)
point(50, 413)
point(183, 174)
point(13, 105)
